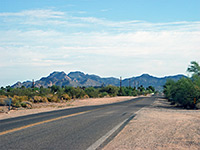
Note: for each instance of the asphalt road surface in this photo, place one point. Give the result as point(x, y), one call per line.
point(83, 128)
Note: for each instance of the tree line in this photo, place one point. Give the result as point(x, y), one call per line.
point(186, 91)
point(61, 94)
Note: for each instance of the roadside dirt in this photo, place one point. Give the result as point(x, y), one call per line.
point(44, 107)
point(160, 126)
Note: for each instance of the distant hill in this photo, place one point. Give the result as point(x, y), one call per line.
point(80, 79)
point(147, 80)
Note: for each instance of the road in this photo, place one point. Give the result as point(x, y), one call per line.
point(81, 128)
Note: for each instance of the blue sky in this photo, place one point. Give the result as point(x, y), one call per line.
point(104, 37)
point(118, 10)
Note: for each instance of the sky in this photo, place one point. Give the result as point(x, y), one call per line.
point(104, 37)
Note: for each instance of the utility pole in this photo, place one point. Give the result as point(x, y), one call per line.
point(129, 83)
point(120, 82)
point(120, 85)
point(33, 83)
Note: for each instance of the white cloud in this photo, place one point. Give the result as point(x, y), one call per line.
point(39, 13)
point(55, 40)
point(50, 18)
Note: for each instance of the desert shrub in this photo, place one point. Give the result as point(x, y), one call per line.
point(2, 91)
point(17, 100)
point(65, 97)
point(128, 91)
point(86, 96)
point(75, 92)
point(16, 103)
point(20, 98)
point(44, 99)
point(182, 92)
point(134, 93)
point(141, 90)
point(2, 102)
point(23, 104)
point(3, 96)
point(169, 89)
point(91, 92)
point(54, 98)
point(37, 99)
point(196, 81)
point(3, 99)
point(80, 93)
point(49, 95)
point(71, 91)
point(26, 104)
point(111, 90)
point(198, 105)
point(150, 89)
point(44, 91)
point(103, 94)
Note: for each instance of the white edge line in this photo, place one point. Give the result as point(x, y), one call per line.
point(106, 136)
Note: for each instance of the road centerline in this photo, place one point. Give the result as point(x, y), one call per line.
point(42, 122)
point(57, 118)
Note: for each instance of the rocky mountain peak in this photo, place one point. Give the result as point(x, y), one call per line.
point(58, 75)
point(145, 75)
point(76, 74)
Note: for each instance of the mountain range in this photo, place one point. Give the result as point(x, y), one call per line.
point(81, 79)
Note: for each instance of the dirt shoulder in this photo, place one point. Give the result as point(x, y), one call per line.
point(160, 126)
point(45, 107)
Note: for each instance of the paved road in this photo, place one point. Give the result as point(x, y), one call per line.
point(71, 129)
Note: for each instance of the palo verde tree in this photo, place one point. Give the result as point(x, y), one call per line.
point(194, 68)
point(186, 91)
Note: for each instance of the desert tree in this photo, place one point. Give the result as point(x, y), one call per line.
point(194, 68)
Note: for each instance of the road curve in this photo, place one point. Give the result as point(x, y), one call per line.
point(81, 128)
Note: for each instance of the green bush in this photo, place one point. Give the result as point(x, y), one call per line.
point(23, 104)
point(92, 92)
point(103, 94)
point(111, 90)
point(183, 92)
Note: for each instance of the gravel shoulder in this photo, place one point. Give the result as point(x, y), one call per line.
point(160, 126)
point(45, 107)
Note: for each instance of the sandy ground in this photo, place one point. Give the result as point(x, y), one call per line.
point(44, 107)
point(161, 127)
